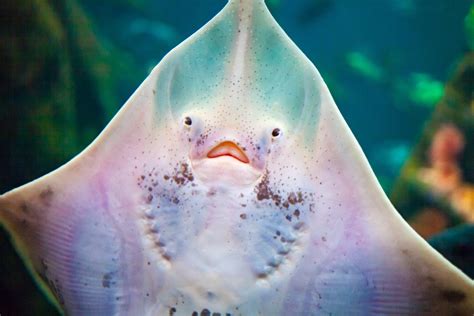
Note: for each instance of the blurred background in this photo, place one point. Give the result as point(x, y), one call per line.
point(401, 72)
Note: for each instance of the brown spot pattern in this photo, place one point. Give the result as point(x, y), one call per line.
point(453, 296)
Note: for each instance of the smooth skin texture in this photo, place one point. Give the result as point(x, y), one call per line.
point(228, 183)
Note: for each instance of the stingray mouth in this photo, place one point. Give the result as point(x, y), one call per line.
point(229, 149)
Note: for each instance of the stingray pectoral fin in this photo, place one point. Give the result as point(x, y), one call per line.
point(401, 273)
point(75, 227)
point(51, 228)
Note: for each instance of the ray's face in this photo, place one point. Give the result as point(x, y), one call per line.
point(238, 98)
point(224, 143)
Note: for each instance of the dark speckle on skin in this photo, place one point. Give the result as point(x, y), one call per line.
point(24, 208)
point(107, 280)
point(172, 311)
point(211, 295)
point(294, 198)
point(149, 199)
point(265, 193)
point(298, 198)
point(262, 189)
point(46, 195)
point(205, 312)
point(182, 175)
point(44, 265)
point(453, 296)
point(54, 286)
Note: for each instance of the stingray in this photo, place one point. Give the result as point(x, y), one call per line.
point(228, 184)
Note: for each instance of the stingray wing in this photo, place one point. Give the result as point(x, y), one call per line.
point(361, 256)
point(80, 228)
point(76, 227)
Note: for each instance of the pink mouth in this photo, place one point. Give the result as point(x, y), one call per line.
point(230, 149)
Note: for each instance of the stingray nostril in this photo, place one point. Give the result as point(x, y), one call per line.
point(188, 121)
point(276, 133)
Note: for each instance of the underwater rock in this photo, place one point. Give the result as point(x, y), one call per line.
point(462, 199)
point(429, 222)
point(443, 175)
point(440, 172)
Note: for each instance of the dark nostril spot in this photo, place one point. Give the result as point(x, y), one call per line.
point(276, 132)
point(188, 121)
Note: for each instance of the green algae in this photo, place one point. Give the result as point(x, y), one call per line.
point(364, 66)
point(425, 90)
point(469, 27)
